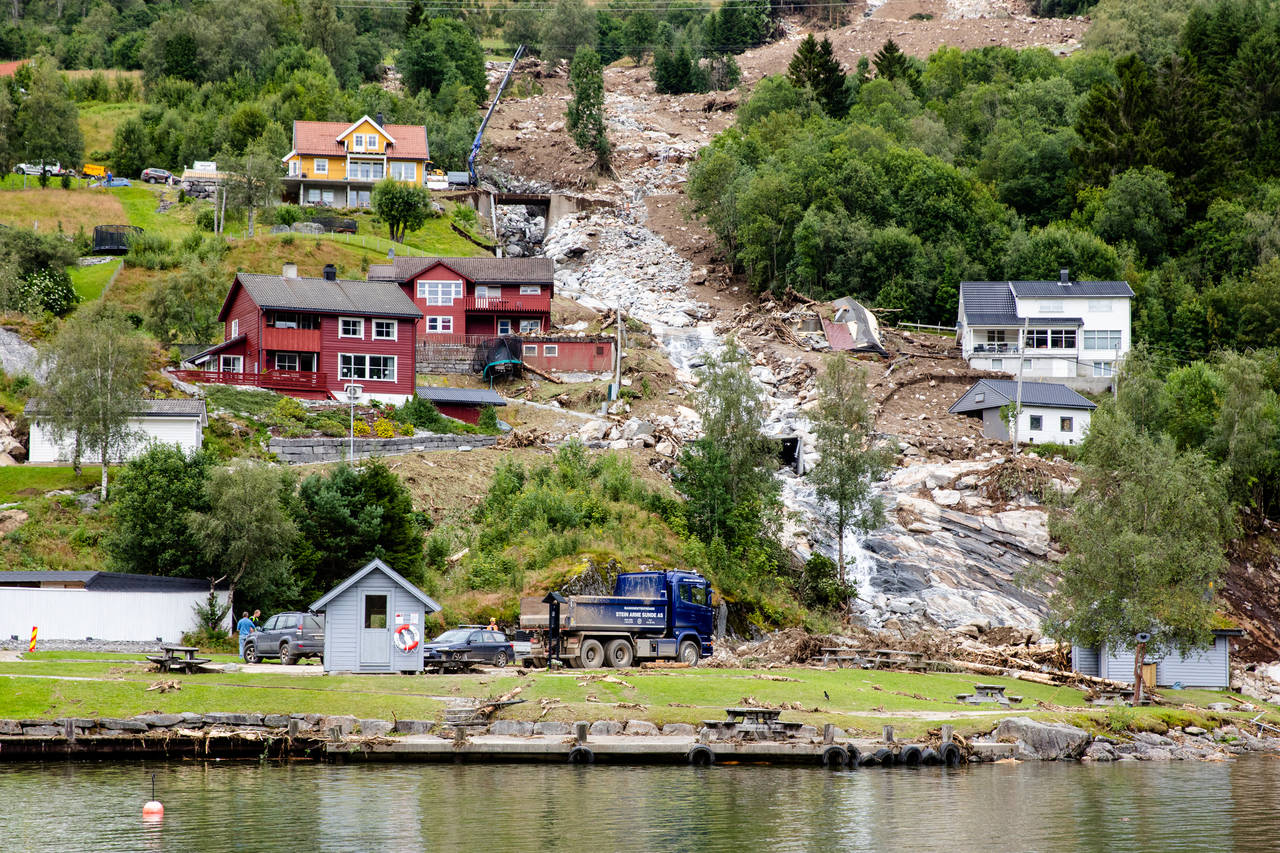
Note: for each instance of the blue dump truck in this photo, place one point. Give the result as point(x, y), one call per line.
point(650, 616)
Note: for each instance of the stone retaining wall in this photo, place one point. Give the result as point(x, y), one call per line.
point(296, 451)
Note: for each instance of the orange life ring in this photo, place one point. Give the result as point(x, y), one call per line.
point(406, 638)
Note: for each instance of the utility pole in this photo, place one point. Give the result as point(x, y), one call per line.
point(1017, 406)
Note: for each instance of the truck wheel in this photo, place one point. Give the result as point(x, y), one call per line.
point(591, 654)
point(286, 658)
point(620, 654)
point(500, 660)
point(690, 653)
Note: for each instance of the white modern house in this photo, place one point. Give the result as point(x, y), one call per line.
point(76, 605)
point(1076, 332)
point(179, 422)
point(1050, 410)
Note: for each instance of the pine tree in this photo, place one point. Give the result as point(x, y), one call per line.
point(892, 64)
point(814, 65)
point(414, 15)
point(585, 114)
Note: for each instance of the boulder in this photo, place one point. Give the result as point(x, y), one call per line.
point(373, 728)
point(420, 727)
point(640, 727)
point(511, 728)
point(551, 728)
point(679, 730)
point(1099, 752)
point(604, 728)
point(1043, 741)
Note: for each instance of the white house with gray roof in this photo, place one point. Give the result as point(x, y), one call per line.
point(1051, 412)
point(179, 422)
point(1076, 332)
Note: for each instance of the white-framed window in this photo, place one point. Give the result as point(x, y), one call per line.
point(1104, 368)
point(488, 291)
point(443, 325)
point(530, 290)
point(365, 170)
point(286, 361)
point(1036, 339)
point(357, 142)
point(1026, 364)
point(995, 336)
point(504, 327)
point(528, 326)
point(1037, 422)
point(1066, 425)
point(385, 330)
point(531, 349)
point(326, 197)
point(403, 171)
point(1099, 306)
point(371, 142)
point(981, 396)
point(322, 166)
point(440, 292)
point(294, 168)
point(1102, 339)
point(231, 364)
point(551, 350)
point(381, 368)
point(235, 328)
point(313, 195)
point(997, 364)
point(1050, 306)
point(1062, 339)
point(351, 327)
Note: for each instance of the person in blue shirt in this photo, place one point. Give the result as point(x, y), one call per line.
point(246, 627)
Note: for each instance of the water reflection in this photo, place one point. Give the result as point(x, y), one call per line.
point(1181, 806)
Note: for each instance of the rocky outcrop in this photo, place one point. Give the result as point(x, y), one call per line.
point(1037, 741)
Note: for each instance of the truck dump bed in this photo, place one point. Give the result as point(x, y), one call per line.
point(598, 612)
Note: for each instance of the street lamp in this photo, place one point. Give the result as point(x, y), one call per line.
point(353, 394)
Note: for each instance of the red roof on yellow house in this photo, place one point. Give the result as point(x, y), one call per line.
point(324, 138)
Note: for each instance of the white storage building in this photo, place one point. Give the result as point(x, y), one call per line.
point(1209, 667)
point(179, 422)
point(101, 605)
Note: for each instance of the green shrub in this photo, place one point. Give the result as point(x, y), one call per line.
point(488, 420)
point(406, 429)
point(287, 240)
point(205, 220)
point(331, 427)
point(152, 252)
point(43, 290)
point(288, 408)
point(288, 214)
point(66, 181)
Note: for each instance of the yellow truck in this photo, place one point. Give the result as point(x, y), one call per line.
point(95, 172)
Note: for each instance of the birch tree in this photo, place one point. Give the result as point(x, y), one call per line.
point(96, 368)
point(849, 461)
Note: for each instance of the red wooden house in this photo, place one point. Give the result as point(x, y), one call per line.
point(475, 297)
point(311, 337)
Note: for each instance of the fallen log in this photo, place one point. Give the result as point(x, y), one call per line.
point(529, 367)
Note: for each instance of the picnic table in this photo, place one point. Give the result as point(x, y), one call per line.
point(988, 693)
point(1113, 696)
point(896, 659)
point(842, 656)
point(181, 658)
point(756, 723)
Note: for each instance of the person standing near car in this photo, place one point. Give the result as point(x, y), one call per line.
point(245, 627)
point(257, 620)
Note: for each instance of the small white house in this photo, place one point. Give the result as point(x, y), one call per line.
point(102, 605)
point(1210, 667)
point(179, 422)
point(1074, 331)
point(1051, 412)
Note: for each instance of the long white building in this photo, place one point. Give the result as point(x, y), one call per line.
point(1075, 332)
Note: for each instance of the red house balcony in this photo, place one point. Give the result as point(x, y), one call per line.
point(510, 304)
point(277, 380)
point(292, 340)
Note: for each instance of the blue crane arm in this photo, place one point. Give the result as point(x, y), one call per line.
point(475, 146)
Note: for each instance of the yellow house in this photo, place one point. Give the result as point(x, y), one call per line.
point(336, 164)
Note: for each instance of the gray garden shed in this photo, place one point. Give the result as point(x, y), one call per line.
point(375, 621)
point(1209, 667)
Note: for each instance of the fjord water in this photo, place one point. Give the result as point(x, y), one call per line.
point(1052, 807)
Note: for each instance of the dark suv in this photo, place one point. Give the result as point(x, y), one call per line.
point(288, 636)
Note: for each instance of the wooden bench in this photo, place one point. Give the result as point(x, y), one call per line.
point(842, 656)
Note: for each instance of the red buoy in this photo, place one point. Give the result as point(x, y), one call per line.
point(152, 811)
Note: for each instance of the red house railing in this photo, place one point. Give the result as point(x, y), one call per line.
point(284, 380)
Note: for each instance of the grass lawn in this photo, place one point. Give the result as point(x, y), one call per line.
point(140, 202)
point(19, 482)
point(860, 701)
point(46, 209)
point(98, 123)
point(90, 281)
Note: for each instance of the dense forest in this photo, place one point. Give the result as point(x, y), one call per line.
point(1159, 168)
